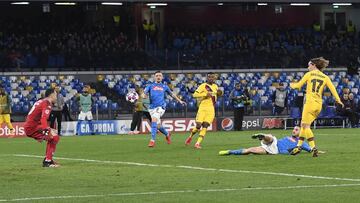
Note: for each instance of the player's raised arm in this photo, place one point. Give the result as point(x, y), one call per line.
point(333, 91)
point(175, 96)
point(299, 84)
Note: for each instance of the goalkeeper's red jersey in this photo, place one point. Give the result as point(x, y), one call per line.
point(38, 116)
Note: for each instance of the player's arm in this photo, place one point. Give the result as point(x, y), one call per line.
point(306, 147)
point(45, 113)
point(145, 94)
point(333, 91)
point(200, 92)
point(174, 96)
point(299, 84)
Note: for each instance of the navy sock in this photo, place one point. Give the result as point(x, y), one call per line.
point(236, 152)
point(153, 130)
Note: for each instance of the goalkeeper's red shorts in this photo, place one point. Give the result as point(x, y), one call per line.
point(37, 133)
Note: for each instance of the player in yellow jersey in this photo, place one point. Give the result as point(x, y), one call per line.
point(206, 94)
point(315, 81)
point(5, 110)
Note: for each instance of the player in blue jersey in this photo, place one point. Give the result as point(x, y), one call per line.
point(156, 92)
point(271, 145)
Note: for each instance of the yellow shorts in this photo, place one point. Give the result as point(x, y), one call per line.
point(310, 112)
point(205, 115)
point(4, 118)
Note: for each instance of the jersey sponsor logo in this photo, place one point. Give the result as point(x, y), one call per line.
point(227, 124)
point(157, 88)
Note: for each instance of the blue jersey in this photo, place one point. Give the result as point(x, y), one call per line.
point(156, 92)
point(286, 144)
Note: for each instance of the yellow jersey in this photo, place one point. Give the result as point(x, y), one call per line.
point(5, 104)
point(315, 83)
point(201, 94)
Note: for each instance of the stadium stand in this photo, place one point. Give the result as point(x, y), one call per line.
point(261, 85)
point(26, 90)
point(259, 48)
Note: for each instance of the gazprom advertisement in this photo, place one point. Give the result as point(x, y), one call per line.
point(100, 127)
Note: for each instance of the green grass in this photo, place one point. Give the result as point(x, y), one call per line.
point(23, 177)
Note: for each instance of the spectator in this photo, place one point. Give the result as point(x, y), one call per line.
point(348, 109)
point(137, 114)
point(351, 29)
point(66, 113)
point(5, 110)
point(56, 112)
point(354, 109)
point(238, 99)
point(279, 99)
point(299, 101)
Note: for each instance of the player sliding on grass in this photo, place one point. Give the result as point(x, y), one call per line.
point(156, 93)
point(271, 145)
point(315, 81)
point(206, 94)
point(36, 126)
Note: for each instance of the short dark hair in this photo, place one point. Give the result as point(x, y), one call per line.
point(49, 91)
point(157, 72)
point(210, 73)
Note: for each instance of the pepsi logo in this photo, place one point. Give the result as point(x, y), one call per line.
point(227, 124)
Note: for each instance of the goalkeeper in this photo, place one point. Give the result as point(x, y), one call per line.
point(271, 145)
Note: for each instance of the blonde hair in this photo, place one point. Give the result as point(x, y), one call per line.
point(321, 63)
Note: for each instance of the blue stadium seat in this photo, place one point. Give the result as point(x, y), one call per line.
point(295, 112)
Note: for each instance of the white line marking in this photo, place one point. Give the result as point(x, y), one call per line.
point(176, 191)
point(196, 168)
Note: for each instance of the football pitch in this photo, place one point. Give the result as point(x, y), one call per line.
point(124, 169)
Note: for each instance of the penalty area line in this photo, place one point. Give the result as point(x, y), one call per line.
point(196, 168)
point(175, 192)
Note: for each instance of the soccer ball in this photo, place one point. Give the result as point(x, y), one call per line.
point(132, 96)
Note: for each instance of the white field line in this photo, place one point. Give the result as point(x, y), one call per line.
point(196, 168)
point(176, 191)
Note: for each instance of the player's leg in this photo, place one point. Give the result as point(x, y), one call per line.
point(81, 118)
point(167, 134)
point(200, 117)
point(52, 139)
point(133, 123)
point(268, 139)
point(59, 119)
point(208, 119)
point(306, 119)
point(90, 119)
point(5, 118)
point(52, 118)
point(138, 121)
point(202, 134)
point(244, 151)
point(155, 117)
point(193, 133)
